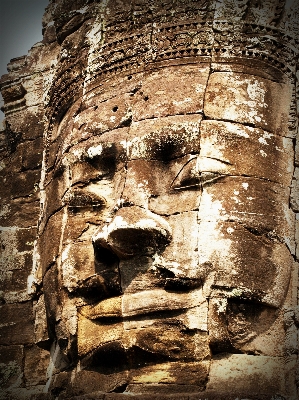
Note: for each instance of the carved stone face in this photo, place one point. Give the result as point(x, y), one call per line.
point(167, 218)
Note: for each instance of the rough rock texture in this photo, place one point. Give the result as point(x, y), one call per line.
point(149, 213)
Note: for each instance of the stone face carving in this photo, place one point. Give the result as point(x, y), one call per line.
point(166, 242)
point(174, 233)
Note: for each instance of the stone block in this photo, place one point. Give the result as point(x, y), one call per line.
point(243, 264)
point(26, 238)
point(14, 281)
point(244, 150)
point(164, 138)
point(181, 201)
point(294, 198)
point(218, 334)
point(90, 396)
point(262, 325)
point(92, 334)
point(29, 122)
point(17, 325)
point(54, 149)
point(13, 93)
point(114, 113)
point(15, 263)
point(35, 367)
point(23, 212)
point(9, 247)
point(34, 86)
point(178, 258)
point(151, 183)
point(148, 396)
point(166, 340)
point(40, 322)
point(72, 27)
point(216, 395)
point(148, 301)
point(248, 100)
point(26, 394)
point(11, 366)
point(30, 154)
point(292, 294)
point(158, 390)
point(257, 204)
point(297, 235)
point(172, 373)
point(26, 184)
point(49, 240)
point(297, 153)
point(118, 12)
point(41, 396)
point(91, 381)
point(159, 96)
point(252, 328)
point(84, 171)
point(59, 383)
point(54, 191)
point(49, 34)
point(77, 263)
point(243, 373)
point(6, 180)
point(64, 12)
point(291, 333)
point(50, 286)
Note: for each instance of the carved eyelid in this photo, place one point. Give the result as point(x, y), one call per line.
point(191, 175)
point(79, 198)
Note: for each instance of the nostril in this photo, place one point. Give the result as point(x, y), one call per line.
point(107, 266)
point(105, 257)
point(135, 231)
point(93, 288)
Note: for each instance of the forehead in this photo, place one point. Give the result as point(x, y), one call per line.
point(173, 105)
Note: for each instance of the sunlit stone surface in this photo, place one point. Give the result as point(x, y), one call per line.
point(150, 240)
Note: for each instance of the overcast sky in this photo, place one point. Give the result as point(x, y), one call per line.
point(20, 28)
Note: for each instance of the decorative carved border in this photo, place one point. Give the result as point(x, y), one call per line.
point(202, 40)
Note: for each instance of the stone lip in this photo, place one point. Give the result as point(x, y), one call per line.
point(151, 301)
point(142, 303)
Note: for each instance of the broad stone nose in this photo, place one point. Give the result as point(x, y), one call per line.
point(134, 231)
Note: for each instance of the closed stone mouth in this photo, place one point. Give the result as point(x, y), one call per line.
point(142, 303)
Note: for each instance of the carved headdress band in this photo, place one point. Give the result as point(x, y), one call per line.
point(112, 37)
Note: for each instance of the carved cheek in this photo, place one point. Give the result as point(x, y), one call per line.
point(242, 234)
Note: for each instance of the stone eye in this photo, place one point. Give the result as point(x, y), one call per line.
point(190, 176)
point(80, 200)
point(105, 156)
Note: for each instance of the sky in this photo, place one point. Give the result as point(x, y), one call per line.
point(20, 29)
